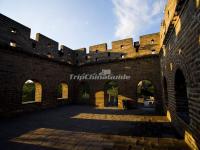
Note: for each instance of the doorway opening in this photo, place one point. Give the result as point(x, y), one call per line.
point(111, 94)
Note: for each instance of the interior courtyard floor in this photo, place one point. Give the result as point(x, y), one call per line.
point(88, 128)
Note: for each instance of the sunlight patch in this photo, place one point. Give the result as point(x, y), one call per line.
point(127, 118)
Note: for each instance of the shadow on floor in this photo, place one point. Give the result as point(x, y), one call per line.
point(102, 127)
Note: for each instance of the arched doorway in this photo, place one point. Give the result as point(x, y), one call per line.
point(145, 94)
point(99, 99)
point(165, 91)
point(111, 94)
point(31, 92)
point(84, 93)
point(62, 91)
point(182, 108)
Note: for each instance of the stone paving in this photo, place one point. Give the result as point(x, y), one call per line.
point(87, 128)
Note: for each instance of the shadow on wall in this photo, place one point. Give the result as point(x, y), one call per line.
point(180, 64)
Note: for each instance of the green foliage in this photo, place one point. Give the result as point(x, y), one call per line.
point(28, 92)
point(85, 95)
point(111, 84)
point(146, 88)
point(112, 88)
point(113, 91)
point(84, 91)
point(59, 91)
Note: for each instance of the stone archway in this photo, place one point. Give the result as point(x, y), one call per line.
point(99, 99)
point(31, 92)
point(165, 91)
point(62, 91)
point(182, 108)
point(145, 93)
point(84, 93)
point(111, 94)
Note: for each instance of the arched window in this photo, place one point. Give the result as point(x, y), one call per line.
point(31, 92)
point(62, 91)
point(182, 108)
point(111, 93)
point(84, 93)
point(99, 98)
point(165, 91)
point(146, 93)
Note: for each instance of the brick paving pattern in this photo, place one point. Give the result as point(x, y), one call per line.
point(87, 128)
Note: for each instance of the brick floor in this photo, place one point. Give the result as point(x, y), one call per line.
point(87, 128)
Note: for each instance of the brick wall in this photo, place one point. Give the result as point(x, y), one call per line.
point(181, 50)
point(144, 68)
point(17, 67)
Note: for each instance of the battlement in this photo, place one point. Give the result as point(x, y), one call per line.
point(45, 42)
point(15, 34)
point(80, 51)
point(98, 48)
point(150, 42)
point(121, 49)
point(171, 19)
point(125, 45)
point(168, 16)
point(122, 45)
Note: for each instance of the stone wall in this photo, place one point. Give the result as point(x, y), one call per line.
point(16, 68)
point(180, 51)
point(143, 68)
point(16, 35)
point(40, 60)
point(122, 49)
point(178, 45)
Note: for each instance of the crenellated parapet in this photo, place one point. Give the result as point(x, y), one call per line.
point(122, 45)
point(150, 43)
point(45, 44)
point(171, 20)
point(98, 48)
point(17, 36)
point(66, 54)
point(13, 32)
point(122, 49)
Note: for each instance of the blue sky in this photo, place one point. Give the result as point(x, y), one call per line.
point(81, 23)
